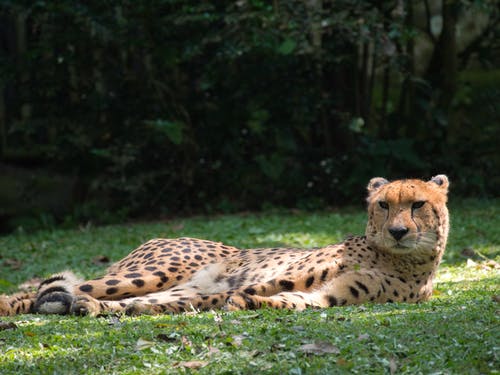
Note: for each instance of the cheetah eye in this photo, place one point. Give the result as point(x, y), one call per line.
point(383, 205)
point(418, 204)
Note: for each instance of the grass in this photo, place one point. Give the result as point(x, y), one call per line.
point(456, 332)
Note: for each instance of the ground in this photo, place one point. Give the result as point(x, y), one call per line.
point(456, 332)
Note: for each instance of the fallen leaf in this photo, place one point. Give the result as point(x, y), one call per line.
point(166, 338)
point(492, 264)
point(114, 321)
point(471, 263)
point(496, 298)
point(237, 340)
point(7, 325)
point(186, 344)
point(278, 346)
point(12, 263)
point(100, 260)
point(143, 344)
point(319, 348)
point(177, 227)
point(191, 364)
point(213, 350)
point(30, 334)
point(468, 252)
point(250, 316)
point(363, 337)
point(343, 362)
point(393, 366)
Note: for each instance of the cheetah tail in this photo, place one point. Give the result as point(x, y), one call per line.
point(55, 294)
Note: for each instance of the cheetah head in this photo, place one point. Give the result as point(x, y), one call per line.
point(408, 216)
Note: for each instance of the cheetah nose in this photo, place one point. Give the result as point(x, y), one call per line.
point(398, 232)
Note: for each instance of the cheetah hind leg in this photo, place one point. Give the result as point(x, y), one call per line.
point(19, 303)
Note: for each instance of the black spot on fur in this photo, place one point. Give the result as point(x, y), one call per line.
point(287, 284)
point(324, 274)
point(362, 286)
point(52, 279)
point(86, 288)
point(138, 282)
point(110, 291)
point(332, 301)
point(309, 281)
point(250, 291)
point(112, 282)
point(132, 275)
point(172, 269)
point(52, 290)
point(354, 292)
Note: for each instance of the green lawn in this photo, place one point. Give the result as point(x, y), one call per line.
point(457, 332)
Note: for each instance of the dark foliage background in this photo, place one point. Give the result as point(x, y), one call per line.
point(114, 109)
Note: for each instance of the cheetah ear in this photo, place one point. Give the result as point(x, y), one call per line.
point(375, 183)
point(441, 181)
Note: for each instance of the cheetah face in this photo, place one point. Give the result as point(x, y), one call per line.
point(407, 215)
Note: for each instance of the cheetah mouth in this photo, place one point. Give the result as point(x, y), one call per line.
point(400, 246)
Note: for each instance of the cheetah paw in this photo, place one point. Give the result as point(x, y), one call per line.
point(239, 302)
point(85, 305)
point(139, 308)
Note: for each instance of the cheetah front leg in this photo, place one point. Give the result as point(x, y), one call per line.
point(283, 300)
point(351, 288)
point(171, 301)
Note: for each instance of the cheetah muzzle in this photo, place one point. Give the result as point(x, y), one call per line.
point(395, 261)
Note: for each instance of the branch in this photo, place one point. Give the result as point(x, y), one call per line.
point(465, 55)
point(428, 23)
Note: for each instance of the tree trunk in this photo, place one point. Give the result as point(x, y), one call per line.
point(442, 72)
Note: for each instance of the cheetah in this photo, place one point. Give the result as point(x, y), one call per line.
point(395, 261)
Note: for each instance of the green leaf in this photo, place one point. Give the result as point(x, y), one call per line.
point(287, 47)
point(172, 129)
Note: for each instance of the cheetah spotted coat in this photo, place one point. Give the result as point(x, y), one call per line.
point(395, 261)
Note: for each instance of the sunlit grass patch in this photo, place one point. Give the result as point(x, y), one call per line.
point(456, 332)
